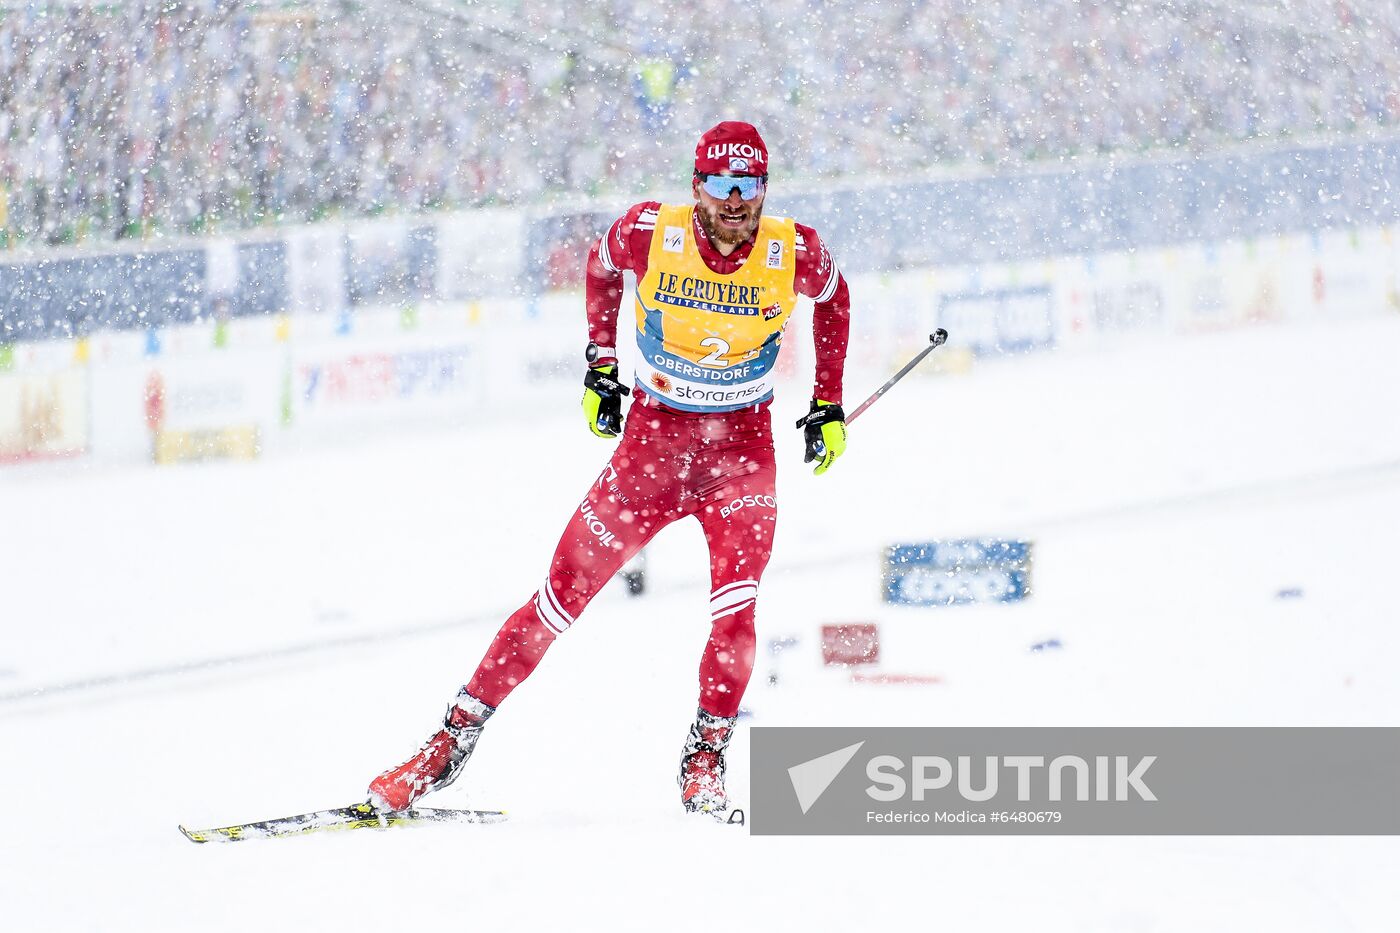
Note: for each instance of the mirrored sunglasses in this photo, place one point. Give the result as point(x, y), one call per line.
point(719, 186)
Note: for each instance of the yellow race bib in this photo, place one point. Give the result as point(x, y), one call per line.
point(709, 342)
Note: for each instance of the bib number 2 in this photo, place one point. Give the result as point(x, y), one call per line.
point(718, 348)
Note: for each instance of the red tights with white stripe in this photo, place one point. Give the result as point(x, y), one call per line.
point(717, 467)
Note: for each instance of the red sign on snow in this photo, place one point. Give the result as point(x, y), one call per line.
point(855, 643)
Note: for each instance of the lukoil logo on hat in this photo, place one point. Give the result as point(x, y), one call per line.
point(731, 147)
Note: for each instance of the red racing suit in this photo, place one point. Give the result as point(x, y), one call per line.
point(716, 466)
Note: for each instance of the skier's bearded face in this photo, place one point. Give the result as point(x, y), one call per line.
point(730, 221)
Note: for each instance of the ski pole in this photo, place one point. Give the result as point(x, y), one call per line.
point(935, 340)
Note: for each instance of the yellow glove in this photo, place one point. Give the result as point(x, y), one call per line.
point(824, 429)
point(602, 400)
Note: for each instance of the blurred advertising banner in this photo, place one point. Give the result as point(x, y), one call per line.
point(1007, 320)
point(848, 644)
point(238, 443)
point(316, 270)
point(389, 261)
point(216, 391)
point(950, 573)
point(348, 387)
point(43, 415)
point(1075, 781)
point(480, 254)
point(212, 408)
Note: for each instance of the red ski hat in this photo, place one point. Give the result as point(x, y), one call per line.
point(733, 148)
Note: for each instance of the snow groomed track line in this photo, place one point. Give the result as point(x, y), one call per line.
point(1330, 482)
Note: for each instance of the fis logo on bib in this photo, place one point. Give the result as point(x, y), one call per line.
point(775, 254)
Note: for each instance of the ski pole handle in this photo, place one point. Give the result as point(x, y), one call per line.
point(935, 340)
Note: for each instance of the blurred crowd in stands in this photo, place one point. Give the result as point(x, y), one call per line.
point(134, 118)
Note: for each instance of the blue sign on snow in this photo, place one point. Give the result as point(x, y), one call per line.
point(956, 572)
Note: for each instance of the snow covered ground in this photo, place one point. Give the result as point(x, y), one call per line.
point(234, 641)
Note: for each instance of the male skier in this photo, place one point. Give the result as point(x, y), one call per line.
point(716, 284)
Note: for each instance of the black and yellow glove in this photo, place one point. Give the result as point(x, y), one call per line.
point(824, 429)
point(602, 400)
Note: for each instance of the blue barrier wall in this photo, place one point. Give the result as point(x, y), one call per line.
point(75, 296)
point(78, 295)
point(1100, 206)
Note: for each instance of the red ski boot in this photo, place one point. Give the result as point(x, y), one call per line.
point(439, 760)
point(702, 764)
